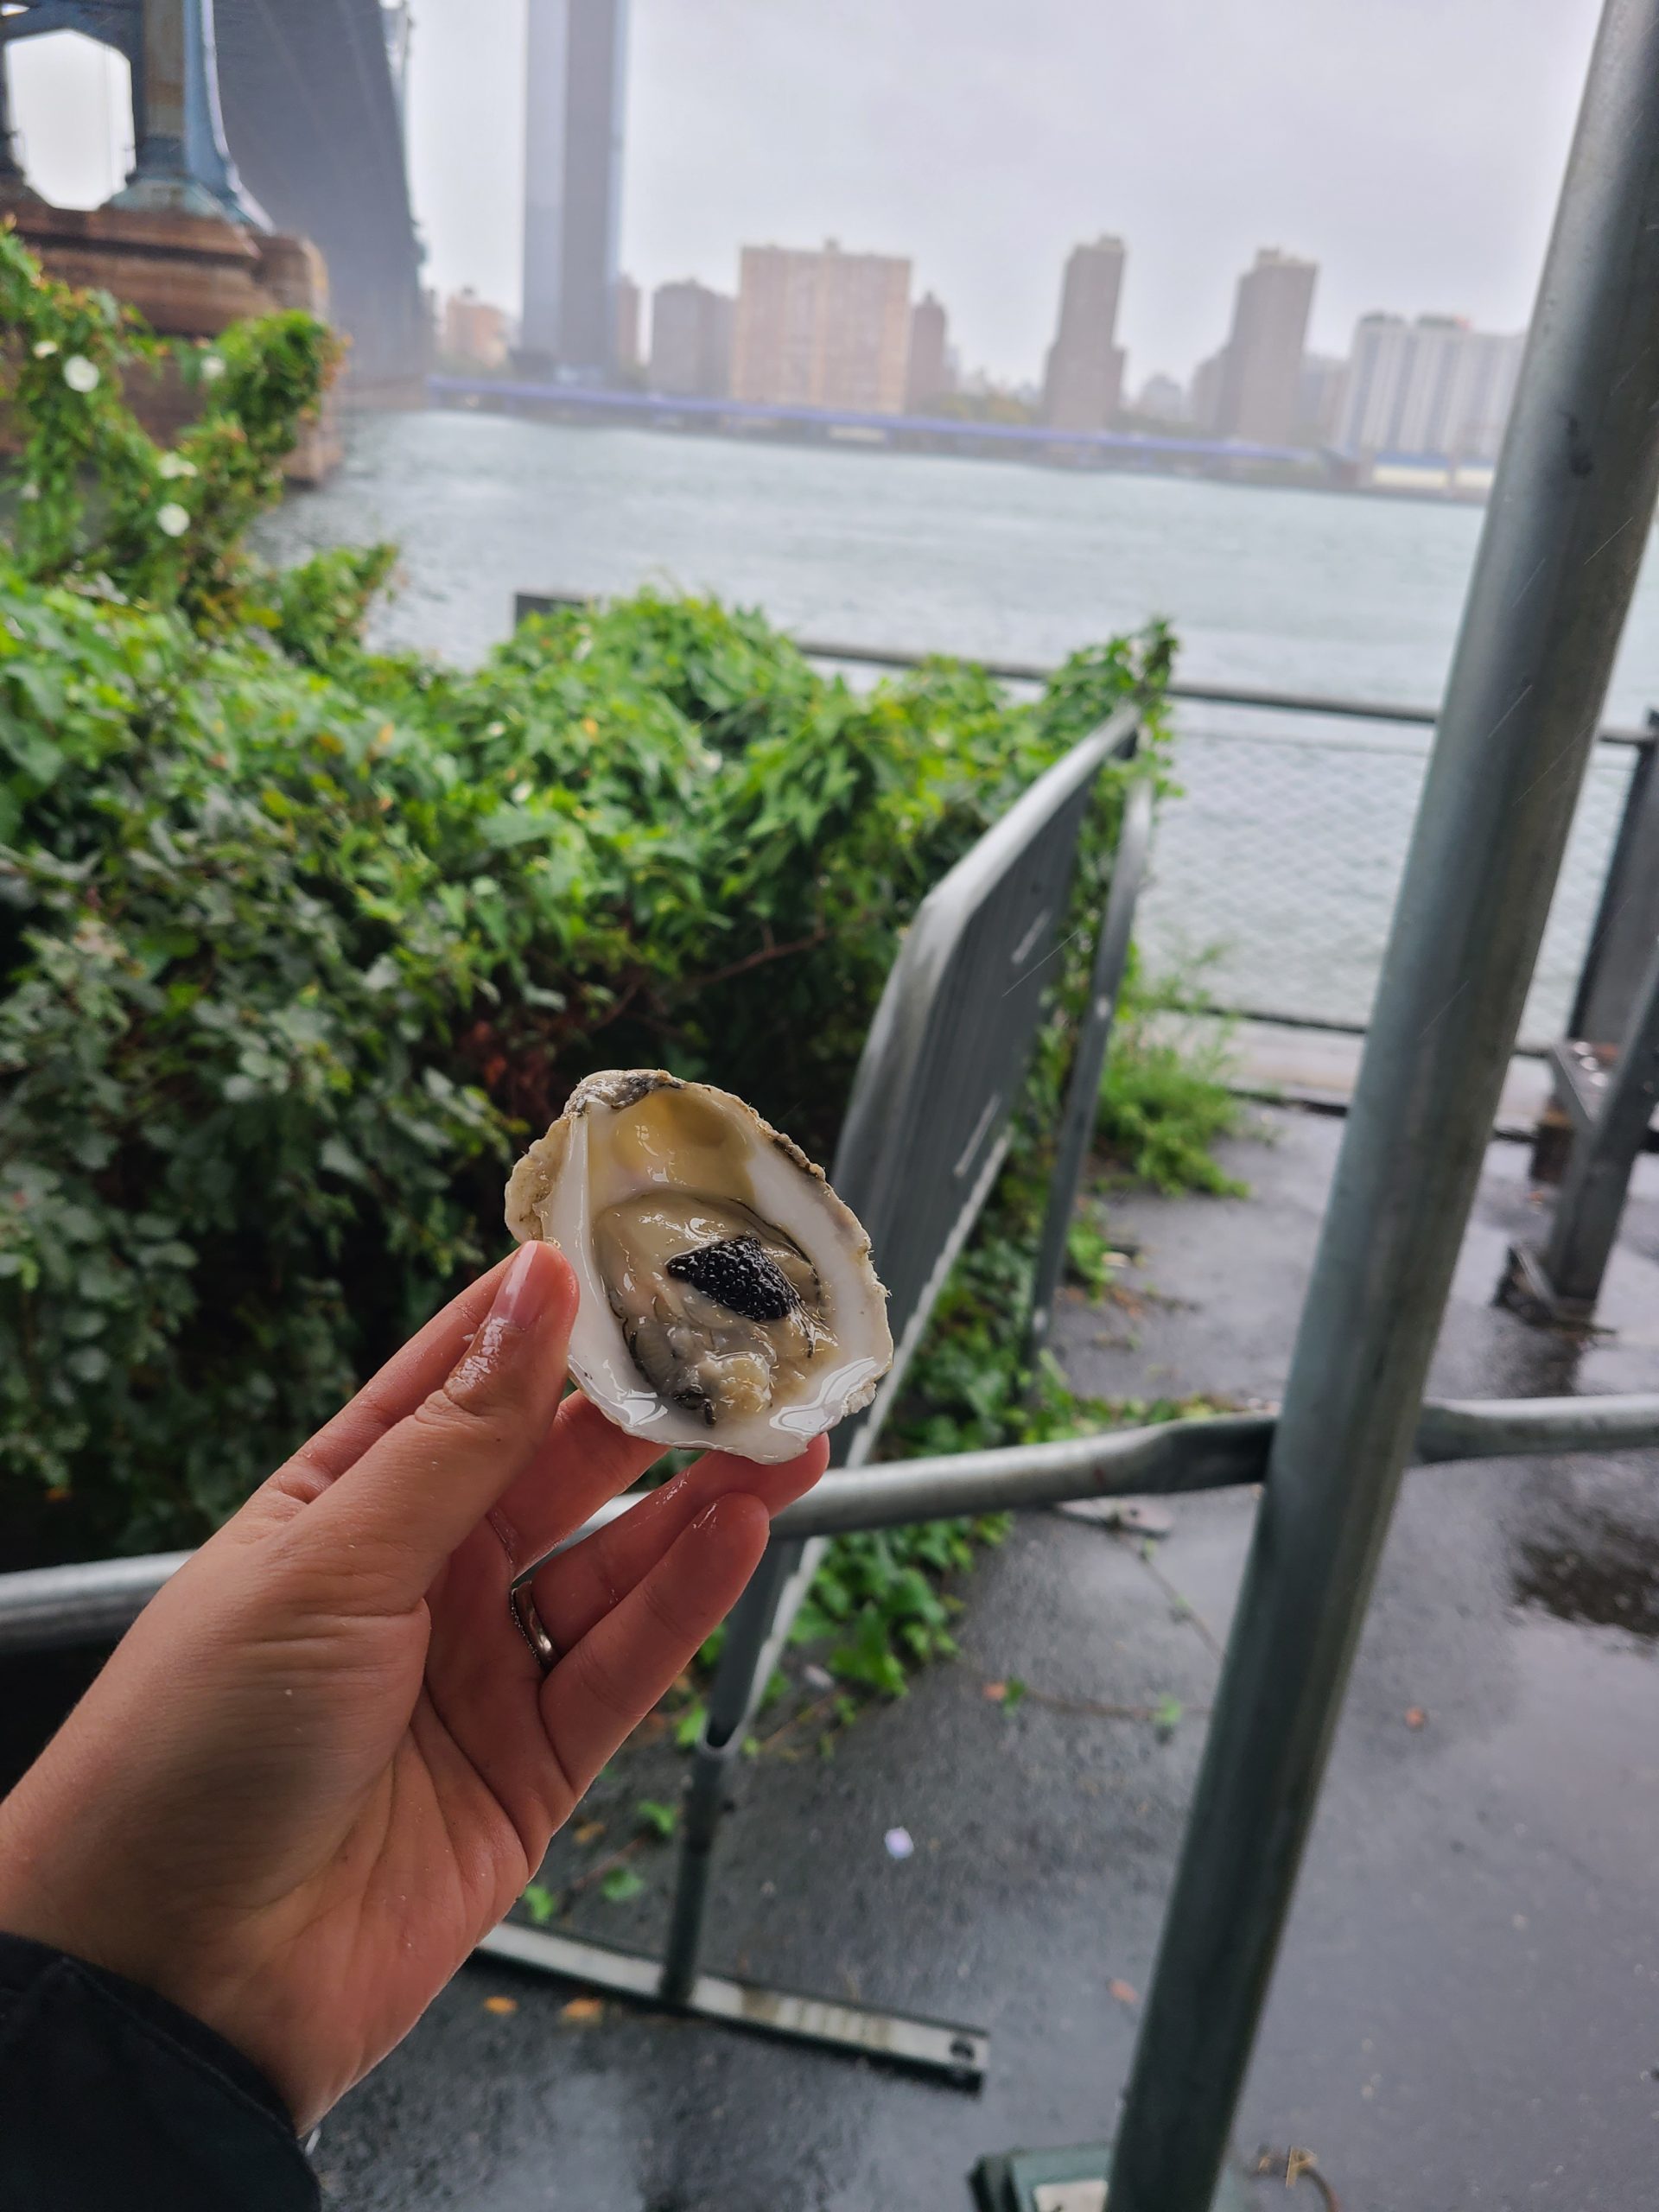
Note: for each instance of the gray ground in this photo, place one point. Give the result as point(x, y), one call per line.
point(1465, 2014)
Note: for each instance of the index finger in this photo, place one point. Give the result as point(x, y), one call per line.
point(407, 1379)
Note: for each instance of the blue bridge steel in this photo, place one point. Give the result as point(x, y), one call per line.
point(282, 114)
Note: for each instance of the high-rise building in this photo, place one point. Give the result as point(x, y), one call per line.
point(928, 377)
point(473, 331)
point(1261, 366)
point(691, 341)
point(1431, 386)
point(573, 182)
point(826, 329)
point(628, 357)
point(1204, 394)
point(1084, 380)
point(1318, 398)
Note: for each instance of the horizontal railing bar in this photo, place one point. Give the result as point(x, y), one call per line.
point(89, 1603)
point(1503, 1428)
point(92, 1603)
point(1221, 1452)
point(1031, 671)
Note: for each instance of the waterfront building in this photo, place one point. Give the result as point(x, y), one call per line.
point(1083, 383)
point(822, 329)
point(573, 184)
point(928, 376)
point(691, 341)
point(628, 354)
point(473, 331)
point(1258, 384)
point(1204, 393)
point(1431, 386)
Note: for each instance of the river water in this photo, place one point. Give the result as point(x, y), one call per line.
point(1279, 865)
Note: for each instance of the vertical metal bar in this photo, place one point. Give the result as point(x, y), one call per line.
point(1627, 920)
point(1627, 915)
point(1094, 1035)
point(1559, 553)
point(735, 1689)
point(1592, 1197)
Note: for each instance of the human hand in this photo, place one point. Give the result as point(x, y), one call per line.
point(323, 1762)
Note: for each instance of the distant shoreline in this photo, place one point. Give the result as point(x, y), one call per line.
point(1085, 453)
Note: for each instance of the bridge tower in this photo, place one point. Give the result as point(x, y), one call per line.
point(575, 90)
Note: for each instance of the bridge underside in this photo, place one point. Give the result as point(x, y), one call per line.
point(311, 117)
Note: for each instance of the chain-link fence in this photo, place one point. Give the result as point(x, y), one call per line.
point(1275, 870)
point(1276, 865)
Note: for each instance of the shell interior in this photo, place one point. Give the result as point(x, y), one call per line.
point(727, 1296)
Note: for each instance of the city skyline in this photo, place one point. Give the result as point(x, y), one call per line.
point(805, 328)
point(1416, 160)
point(1413, 153)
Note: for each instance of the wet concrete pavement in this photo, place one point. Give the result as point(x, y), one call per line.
point(1466, 2012)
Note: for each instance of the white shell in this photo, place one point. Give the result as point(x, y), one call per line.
point(550, 1197)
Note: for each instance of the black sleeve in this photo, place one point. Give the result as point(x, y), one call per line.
point(111, 2097)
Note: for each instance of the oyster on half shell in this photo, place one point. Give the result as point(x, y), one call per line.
point(728, 1297)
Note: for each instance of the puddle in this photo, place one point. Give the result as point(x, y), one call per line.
point(1604, 1573)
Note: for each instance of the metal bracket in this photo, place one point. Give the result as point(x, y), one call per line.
point(957, 2054)
point(1580, 1073)
point(1527, 1290)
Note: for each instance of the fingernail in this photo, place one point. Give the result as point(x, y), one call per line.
point(522, 1296)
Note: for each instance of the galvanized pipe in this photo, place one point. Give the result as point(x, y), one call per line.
point(92, 1603)
point(734, 1691)
point(1563, 538)
point(1082, 1109)
point(44, 1608)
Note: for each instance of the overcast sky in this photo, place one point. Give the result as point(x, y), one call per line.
point(1413, 148)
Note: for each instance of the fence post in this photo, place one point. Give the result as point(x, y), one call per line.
point(1563, 538)
point(1627, 923)
point(1081, 1109)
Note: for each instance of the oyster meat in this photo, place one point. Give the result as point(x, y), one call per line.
point(727, 1296)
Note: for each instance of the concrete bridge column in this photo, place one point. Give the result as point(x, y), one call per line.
point(183, 165)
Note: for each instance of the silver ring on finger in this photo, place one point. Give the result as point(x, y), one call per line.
point(522, 1608)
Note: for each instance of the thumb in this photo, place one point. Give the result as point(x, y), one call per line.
point(413, 1496)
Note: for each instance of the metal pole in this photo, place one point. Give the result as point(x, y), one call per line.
point(94, 1601)
point(1627, 917)
point(1563, 539)
point(1094, 1035)
point(1627, 923)
point(729, 1699)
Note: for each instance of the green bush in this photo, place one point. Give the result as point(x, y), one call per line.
point(300, 941)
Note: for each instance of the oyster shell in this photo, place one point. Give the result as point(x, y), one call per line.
point(728, 1297)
